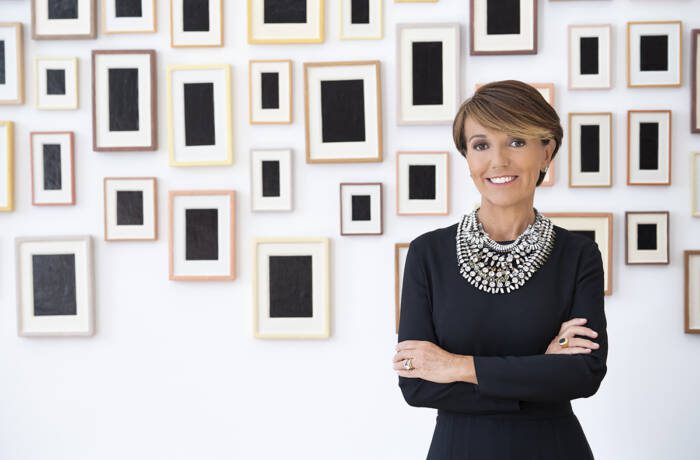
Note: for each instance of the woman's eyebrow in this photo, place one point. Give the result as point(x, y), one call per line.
point(476, 135)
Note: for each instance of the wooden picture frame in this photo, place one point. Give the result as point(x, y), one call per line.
point(695, 81)
point(504, 33)
point(285, 29)
point(361, 23)
point(647, 235)
point(7, 166)
point(133, 17)
point(130, 206)
point(56, 83)
point(648, 125)
point(654, 54)
point(191, 23)
point(299, 268)
point(590, 149)
point(271, 183)
point(270, 94)
point(12, 86)
point(400, 252)
point(695, 184)
point(691, 291)
point(52, 160)
point(64, 20)
point(361, 208)
point(590, 56)
point(423, 183)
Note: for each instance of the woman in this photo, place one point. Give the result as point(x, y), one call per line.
point(502, 317)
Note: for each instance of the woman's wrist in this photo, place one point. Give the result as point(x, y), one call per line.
point(464, 369)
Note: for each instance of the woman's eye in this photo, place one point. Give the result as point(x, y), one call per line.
point(476, 146)
point(519, 142)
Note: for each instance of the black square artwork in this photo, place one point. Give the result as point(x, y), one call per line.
point(291, 286)
point(359, 12)
point(2, 62)
point(649, 145)
point(653, 52)
point(590, 148)
point(55, 81)
point(646, 236)
point(284, 11)
point(587, 233)
point(421, 182)
point(502, 17)
point(361, 207)
point(52, 166)
point(128, 8)
point(195, 15)
point(202, 234)
point(53, 284)
point(270, 178)
point(199, 114)
point(270, 90)
point(129, 207)
point(427, 73)
point(588, 55)
point(63, 9)
point(123, 99)
point(343, 110)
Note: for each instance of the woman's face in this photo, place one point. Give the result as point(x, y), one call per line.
point(495, 153)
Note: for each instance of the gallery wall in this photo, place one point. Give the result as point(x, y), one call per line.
point(174, 370)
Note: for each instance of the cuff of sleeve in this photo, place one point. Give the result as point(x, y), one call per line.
point(486, 386)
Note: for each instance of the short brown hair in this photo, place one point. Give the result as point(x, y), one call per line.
point(510, 106)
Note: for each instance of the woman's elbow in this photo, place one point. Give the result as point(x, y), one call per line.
point(410, 388)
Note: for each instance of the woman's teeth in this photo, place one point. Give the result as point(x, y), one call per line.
point(502, 180)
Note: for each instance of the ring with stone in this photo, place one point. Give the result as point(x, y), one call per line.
point(563, 342)
point(407, 364)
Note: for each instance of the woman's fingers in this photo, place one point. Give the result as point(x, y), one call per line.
point(579, 330)
point(573, 350)
point(572, 322)
point(579, 342)
point(401, 355)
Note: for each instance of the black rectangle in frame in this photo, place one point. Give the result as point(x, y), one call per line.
point(291, 286)
point(63, 9)
point(653, 52)
point(199, 114)
point(52, 166)
point(427, 73)
point(53, 284)
point(129, 207)
point(590, 148)
point(587, 233)
point(588, 50)
point(2, 62)
point(359, 12)
point(284, 11)
point(128, 8)
point(649, 145)
point(202, 234)
point(421, 182)
point(270, 90)
point(195, 15)
point(123, 99)
point(270, 178)
point(55, 81)
point(361, 207)
point(502, 17)
point(646, 237)
point(343, 110)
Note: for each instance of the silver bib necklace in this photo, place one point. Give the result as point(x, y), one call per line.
point(501, 268)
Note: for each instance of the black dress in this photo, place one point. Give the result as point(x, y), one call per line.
point(520, 408)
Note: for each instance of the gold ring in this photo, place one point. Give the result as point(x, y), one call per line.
point(407, 364)
point(563, 342)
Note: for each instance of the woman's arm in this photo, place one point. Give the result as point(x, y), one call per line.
point(416, 323)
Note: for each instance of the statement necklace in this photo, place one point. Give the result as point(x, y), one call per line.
point(501, 268)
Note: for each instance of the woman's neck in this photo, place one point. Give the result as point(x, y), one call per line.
point(505, 223)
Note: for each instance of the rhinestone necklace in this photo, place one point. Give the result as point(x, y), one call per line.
point(501, 268)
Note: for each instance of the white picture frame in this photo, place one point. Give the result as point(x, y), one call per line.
point(270, 94)
point(12, 88)
point(130, 208)
point(518, 36)
point(654, 54)
point(361, 25)
point(207, 31)
point(590, 159)
point(361, 208)
point(7, 166)
point(285, 29)
point(647, 238)
point(56, 83)
point(639, 161)
point(691, 275)
point(52, 168)
point(271, 180)
point(120, 19)
point(60, 21)
point(422, 179)
point(695, 184)
point(590, 56)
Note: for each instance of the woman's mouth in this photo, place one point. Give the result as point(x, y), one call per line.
point(501, 180)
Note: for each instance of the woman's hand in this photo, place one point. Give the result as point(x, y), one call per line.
point(576, 345)
point(430, 362)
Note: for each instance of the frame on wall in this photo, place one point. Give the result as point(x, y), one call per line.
point(56, 83)
point(511, 30)
point(361, 20)
point(695, 184)
point(654, 54)
point(130, 17)
point(343, 111)
point(130, 208)
point(53, 167)
point(361, 208)
point(200, 115)
point(649, 147)
point(429, 62)
point(202, 242)
point(272, 22)
point(7, 166)
point(54, 20)
point(691, 310)
point(124, 108)
point(695, 84)
point(590, 56)
point(647, 238)
point(423, 183)
point(400, 251)
point(12, 86)
point(270, 95)
point(291, 288)
point(271, 180)
point(590, 149)
point(196, 24)
point(55, 286)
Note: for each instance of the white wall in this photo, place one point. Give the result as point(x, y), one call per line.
point(174, 371)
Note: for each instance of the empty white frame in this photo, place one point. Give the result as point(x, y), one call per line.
point(271, 179)
point(590, 149)
point(590, 56)
point(428, 56)
point(691, 314)
point(199, 115)
point(361, 20)
point(130, 208)
point(654, 54)
point(282, 21)
point(196, 23)
point(54, 286)
point(54, 19)
point(423, 183)
point(7, 167)
point(270, 91)
point(53, 170)
point(648, 147)
point(509, 28)
point(56, 83)
point(647, 237)
point(291, 288)
point(12, 65)
point(695, 83)
point(128, 16)
point(361, 208)
point(695, 184)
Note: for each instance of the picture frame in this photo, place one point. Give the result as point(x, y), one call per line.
point(129, 16)
point(510, 30)
point(270, 92)
point(200, 115)
point(61, 20)
point(691, 310)
point(423, 183)
point(647, 237)
point(127, 79)
point(361, 208)
point(52, 167)
point(649, 147)
point(202, 239)
point(56, 83)
point(595, 225)
point(361, 20)
point(55, 286)
point(590, 56)
point(196, 23)
point(7, 166)
point(12, 63)
point(400, 252)
point(298, 22)
point(590, 149)
point(349, 129)
point(130, 208)
point(291, 288)
point(429, 75)
point(271, 180)
point(654, 54)
point(695, 83)
point(695, 184)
